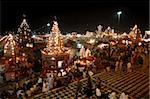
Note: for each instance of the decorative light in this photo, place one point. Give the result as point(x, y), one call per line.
point(27, 45)
point(78, 35)
point(10, 59)
point(33, 36)
point(52, 58)
point(31, 45)
point(48, 24)
point(23, 54)
point(10, 43)
point(55, 43)
point(60, 64)
point(139, 43)
point(119, 12)
point(79, 45)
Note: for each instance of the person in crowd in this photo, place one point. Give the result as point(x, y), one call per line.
point(112, 66)
point(4, 95)
point(29, 85)
point(122, 96)
point(78, 89)
point(90, 73)
point(57, 83)
point(19, 92)
point(113, 95)
point(24, 87)
point(120, 65)
point(32, 90)
point(17, 85)
point(129, 67)
point(117, 65)
point(108, 69)
point(50, 82)
point(34, 87)
point(98, 93)
point(45, 87)
point(20, 96)
point(59, 74)
point(28, 92)
point(89, 87)
point(84, 73)
point(39, 82)
point(64, 73)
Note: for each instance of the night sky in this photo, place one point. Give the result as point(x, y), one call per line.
point(75, 15)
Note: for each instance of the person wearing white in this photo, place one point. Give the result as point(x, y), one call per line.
point(84, 74)
point(50, 82)
point(117, 65)
point(82, 52)
point(59, 74)
point(113, 96)
point(129, 67)
point(19, 92)
point(90, 73)
point(39, 80)
point(122, 96)
point(87, 53)
point(28, 93)
point(45, 87)
point(98, 93)
point(127, 97)
point(48, 74)
point(107, 69)
point(64, 73)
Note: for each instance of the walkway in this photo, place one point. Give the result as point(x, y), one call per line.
point(135, 84)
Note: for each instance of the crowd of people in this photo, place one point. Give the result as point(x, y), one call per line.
point(36, 85)
point(111, 59)
point(121, 59)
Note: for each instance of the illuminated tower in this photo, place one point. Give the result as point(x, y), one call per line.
point(9, 47)
point(55, 44)
point(55, 52)
point(24, 34)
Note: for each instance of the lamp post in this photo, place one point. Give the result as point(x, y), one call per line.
point(48, 26)
point(119, 14)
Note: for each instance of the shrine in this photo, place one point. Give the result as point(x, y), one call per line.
point(10, 57)
point(55, 56)
point(24, 38)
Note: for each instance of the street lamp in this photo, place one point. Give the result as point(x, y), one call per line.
point(48, 26)
point(119, 14)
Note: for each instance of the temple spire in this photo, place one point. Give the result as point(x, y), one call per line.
point(24, 32)
point(55, 44)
